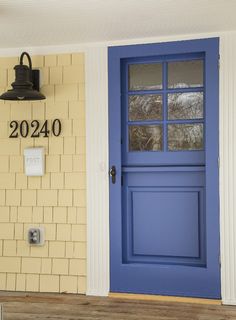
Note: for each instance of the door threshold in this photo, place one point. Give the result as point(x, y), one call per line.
point(151, 297)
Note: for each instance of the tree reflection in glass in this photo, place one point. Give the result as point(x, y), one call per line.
point(185, 137)
point(145, 138)
point(185, 74)
point(145, 107)
point(185, 105)
point(147, 76)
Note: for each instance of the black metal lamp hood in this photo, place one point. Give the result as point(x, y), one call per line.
point(26, 84)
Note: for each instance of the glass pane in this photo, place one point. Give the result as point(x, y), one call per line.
point(185, 74)
point(185, 105)
point(185, 137)
point(145, 138)
point(145, 76)
point(145, 107)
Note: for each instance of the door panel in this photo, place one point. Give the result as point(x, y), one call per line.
point(164, 218)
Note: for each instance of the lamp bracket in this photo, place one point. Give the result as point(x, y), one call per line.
point(34, 74)
point(28, 57)
point(35, 79)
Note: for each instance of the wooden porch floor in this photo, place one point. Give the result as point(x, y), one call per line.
point(21, 306)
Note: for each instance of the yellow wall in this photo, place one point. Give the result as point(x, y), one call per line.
point(55, 201)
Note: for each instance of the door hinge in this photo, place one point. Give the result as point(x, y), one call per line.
point(219, 62)
point(218, 162)
point(219, 260)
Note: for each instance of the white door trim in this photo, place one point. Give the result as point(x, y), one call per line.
point(97, 172)
point(227, 166)
point(97, 165)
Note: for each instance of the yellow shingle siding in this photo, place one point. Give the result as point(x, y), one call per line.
point(56, 201)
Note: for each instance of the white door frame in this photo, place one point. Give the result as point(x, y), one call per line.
point(97, 164)
point(96, 84)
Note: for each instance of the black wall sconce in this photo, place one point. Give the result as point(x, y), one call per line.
point(26, 84)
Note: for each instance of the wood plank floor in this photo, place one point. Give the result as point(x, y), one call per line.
point(21, 306)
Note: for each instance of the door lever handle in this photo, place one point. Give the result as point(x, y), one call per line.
point(113, 174)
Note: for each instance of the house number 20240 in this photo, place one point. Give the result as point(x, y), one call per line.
point(35, 129)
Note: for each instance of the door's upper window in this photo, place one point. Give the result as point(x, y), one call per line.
point(185, 136)
point(145, 138)
point(185, 74)
point(185, 105)
point(145, 107)
point(166, 111)
point(145, 76)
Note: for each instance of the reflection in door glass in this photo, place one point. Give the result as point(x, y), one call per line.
point(185, 105)
point(185, 74)
point(145, 76)
point(145, 107)
point(145, 138)
point(185, 137)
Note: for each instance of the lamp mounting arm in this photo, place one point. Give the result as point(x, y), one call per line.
point(28, 57)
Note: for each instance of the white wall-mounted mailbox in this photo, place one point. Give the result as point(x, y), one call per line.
point(34, 161)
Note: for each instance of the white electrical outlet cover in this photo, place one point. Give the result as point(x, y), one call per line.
point(42, 235)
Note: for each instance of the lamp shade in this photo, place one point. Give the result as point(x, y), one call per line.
point(26, 83)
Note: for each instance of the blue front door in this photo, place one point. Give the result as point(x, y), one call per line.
point(164, 207)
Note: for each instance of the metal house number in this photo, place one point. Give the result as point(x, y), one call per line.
point(34, 128)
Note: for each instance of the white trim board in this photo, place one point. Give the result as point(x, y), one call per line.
point(81, 47)
point(227, 167)
point(97, 172)
point(97, 165)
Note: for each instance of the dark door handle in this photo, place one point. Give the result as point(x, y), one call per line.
point(113, 174)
